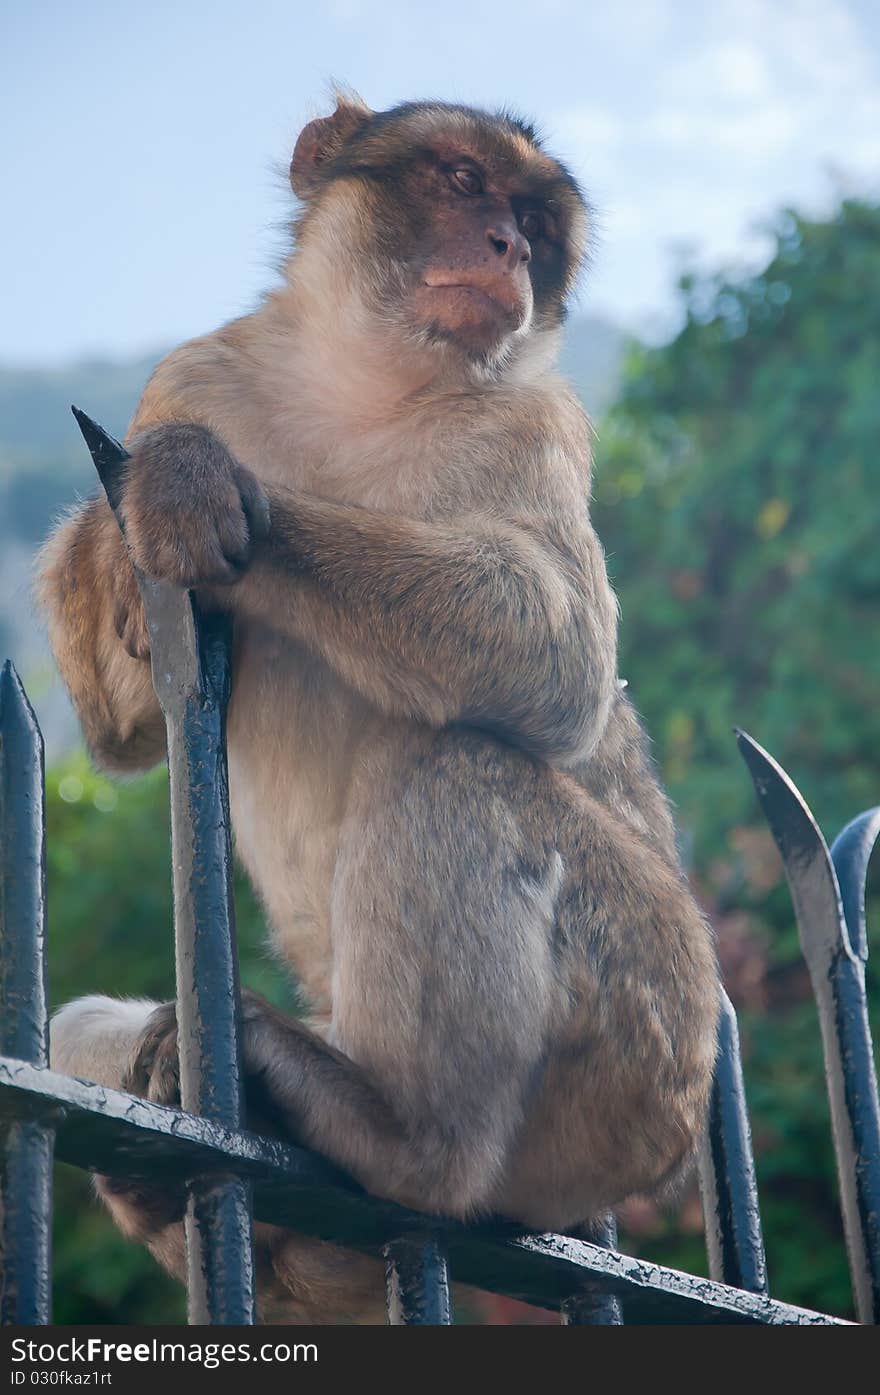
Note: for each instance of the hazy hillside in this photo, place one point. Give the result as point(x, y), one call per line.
point(44, 466)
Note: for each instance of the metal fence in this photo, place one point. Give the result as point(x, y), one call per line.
point(232, 1175)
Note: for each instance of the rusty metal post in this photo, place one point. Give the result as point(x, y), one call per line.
point(26, 1166)
point(191, 675)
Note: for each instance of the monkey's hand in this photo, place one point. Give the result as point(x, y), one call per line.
point(191, 512)
point(154, 1069)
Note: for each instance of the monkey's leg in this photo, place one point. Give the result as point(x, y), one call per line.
point(517, 1026)
point(443, 907)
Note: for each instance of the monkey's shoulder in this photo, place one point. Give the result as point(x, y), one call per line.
point(201, 380)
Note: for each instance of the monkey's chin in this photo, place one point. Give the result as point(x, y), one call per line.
point(466, 318)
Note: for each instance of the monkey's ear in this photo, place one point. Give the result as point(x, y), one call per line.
point(322, 139)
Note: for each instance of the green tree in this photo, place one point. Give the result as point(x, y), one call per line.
point(737, 495)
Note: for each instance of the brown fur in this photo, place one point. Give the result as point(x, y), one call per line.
point(439, 790)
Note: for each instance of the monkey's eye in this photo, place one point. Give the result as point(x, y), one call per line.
point(531, 224)
point(467, 180)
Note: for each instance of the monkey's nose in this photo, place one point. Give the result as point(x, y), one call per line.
point(508, 243)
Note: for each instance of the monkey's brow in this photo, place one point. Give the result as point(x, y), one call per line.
point(487, 160)
point(448, 156)
point(535, 188)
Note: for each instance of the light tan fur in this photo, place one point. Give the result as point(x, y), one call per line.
point(440, 792)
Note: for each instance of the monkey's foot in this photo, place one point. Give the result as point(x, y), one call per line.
point(154, 1072)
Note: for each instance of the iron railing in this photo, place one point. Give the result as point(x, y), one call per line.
point(232, 1175)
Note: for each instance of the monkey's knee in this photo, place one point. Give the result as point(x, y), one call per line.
point(94, 1037)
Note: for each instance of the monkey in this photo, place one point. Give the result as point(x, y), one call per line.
point(439, 788)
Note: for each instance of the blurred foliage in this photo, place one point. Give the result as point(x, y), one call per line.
point(737, 495)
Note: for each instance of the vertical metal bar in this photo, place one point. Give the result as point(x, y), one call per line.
point(850, 854)
point(849, 1063)
point(26, 1169)
point(595, 1309)
point(218, 1223)
point(734, 1239)
point(834, 947)
point(191, 674)
point(416, 1283)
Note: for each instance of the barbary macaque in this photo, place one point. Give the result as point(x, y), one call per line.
point(439, 788)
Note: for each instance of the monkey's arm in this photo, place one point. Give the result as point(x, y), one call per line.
point(97, 631)
point(509, 624)
point(483, 621)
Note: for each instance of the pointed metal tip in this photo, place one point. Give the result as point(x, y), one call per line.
point(9, 677)
point(761, 764)
point(765, 771)
point(747, 743)
point(804, 852)
point(84, 421)
point(15, 707)
point(106, 452)
point(96, 438)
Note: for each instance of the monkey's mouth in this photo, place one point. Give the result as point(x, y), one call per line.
point(492, 299)
point(476, 315)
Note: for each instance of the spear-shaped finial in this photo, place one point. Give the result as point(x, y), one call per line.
point(805, 856)
point(107, 453)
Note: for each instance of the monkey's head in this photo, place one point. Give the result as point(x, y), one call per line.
point(450, 227)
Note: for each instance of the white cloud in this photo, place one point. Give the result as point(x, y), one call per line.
point(591, 137)
point(738, 69)
point(755, 134)
point(727, 113)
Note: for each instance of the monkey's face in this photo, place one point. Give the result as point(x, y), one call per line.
point(467, 250)
point(458, 229)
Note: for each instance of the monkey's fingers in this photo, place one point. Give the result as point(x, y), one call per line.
point(254, 503)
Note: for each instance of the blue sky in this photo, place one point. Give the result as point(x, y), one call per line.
point(141, 143)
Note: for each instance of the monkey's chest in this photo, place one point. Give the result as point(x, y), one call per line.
point(293, 732)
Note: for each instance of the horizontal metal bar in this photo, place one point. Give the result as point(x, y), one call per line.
point(119, 1134)
point(596, 1308)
